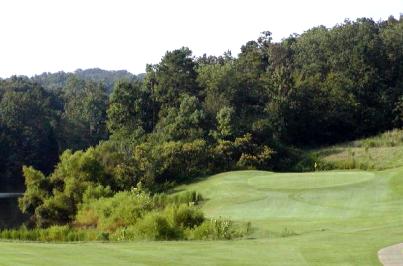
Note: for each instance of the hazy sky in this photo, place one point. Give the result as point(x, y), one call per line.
point(52, 35)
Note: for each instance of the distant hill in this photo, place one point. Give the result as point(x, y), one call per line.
point(54, 81)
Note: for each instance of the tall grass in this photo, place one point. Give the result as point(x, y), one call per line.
point(390, 138)
point(51, 234)
point(375, 153)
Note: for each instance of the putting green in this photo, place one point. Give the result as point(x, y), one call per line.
point(309, 180)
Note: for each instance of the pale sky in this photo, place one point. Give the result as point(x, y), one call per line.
point(53, 35)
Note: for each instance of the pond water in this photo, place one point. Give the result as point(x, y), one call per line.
point(10, 214)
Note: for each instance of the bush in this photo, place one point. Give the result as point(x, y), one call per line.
point(219, 229)
point(155, 226)
point(183, 216)
point(108, 214)
point(168, 224)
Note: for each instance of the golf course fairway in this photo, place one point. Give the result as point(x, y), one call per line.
point(315, 218)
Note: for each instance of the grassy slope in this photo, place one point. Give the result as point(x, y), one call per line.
point(384, 151)
point(339, 218)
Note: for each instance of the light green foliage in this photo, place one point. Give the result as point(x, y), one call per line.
point(77, 174)
point(225, 122)
point(181, 216)
point(108, 214)
point(38, 187)
point(137, 214)
point(174, 222)
point(215, 229)
point(51, 234)
point(125, 215)
point(154, 226)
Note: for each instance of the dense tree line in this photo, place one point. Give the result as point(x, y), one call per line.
point(55, 81)
point(193, 116)
point(37, 125)
point(42, 116)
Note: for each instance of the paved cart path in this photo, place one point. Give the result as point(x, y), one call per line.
point(392, 255)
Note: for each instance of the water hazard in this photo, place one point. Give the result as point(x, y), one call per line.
point(10, 214)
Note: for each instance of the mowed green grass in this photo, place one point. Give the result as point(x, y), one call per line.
point(320, 218)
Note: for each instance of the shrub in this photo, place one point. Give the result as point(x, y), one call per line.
point(183, 216)
point(121, 210)
point(168, 224)
point(155, 226)
point(218, 229)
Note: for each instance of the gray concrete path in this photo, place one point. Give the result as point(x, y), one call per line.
point(392, 255)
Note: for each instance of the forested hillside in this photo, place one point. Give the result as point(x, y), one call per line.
point(192, 116)
point(55, 81)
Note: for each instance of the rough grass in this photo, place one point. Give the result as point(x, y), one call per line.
point(320, 218)
point(384, 151)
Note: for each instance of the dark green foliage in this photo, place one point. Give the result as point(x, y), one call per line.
point(173, 76)
point(170, 161)
point(130, 109)
point(84, 118)
point(28, 129)
point(344, 82)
